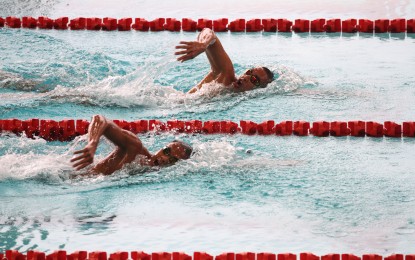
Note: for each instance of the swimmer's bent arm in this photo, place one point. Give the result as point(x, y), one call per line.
point(222, 69)
point(128, 146)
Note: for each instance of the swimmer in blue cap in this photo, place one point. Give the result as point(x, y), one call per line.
point(222, 70)
point(128, 148)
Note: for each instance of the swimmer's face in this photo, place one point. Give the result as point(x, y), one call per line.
point(170, 154)
point(251, 79)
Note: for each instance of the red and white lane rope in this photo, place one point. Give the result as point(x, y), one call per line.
point(399, 25)
point(140, 255)
point(66, 130)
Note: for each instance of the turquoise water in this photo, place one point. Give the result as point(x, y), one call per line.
point(238, 193)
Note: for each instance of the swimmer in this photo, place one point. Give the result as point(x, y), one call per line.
point(222, 70)
point(128, 147)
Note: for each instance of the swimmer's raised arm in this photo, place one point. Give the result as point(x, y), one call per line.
point(128, 146)
point(222, 70)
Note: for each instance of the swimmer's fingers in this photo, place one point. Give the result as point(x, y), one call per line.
point(78, 158)
point(182, 47)
point(83, 163)
point(82, 166)
point(186, 43)
point(81, 151)
point(185, 57)
point(180, 52)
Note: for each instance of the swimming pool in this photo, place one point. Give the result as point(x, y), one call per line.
point(238, 192)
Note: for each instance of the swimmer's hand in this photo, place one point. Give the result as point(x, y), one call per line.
point(190, 50)
point(86, 156)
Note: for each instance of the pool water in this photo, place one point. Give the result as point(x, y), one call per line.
point(237, 193)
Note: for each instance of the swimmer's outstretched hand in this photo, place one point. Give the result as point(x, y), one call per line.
point(190, 50)
point(85, 158)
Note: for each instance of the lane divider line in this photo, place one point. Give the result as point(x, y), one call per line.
point(68, 129)
point(320, 25)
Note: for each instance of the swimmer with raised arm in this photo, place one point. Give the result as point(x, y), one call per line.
point(222, 70)
point(128, 147)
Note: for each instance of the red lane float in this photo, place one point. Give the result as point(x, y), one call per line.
point(286, 256)
point(284, 128)
point(204, 23)
point(320, 129)
point(349, 26)
point(330, 257)
point(308, 256)
point(237, 25)
point(408, 129)
point(248, 127)
point(175, 126)
point(398, 25)
point(181, 256)
point(366, 26)
point(124, 24)
point(284, 25)
point(109, 24)
point(225, 256)
point(202, 256)
point(350, 257)
point(29, 22)
point(44, 23)
point(140, 255)
point(266, 256)
point(301, 26)
point(339, 129)
point(61, 23)
point(371, 257)
point(270, 25)
point(97, 255)
point(13, 22)
point(254, 25)
point(157, 25)
point(77, 23)
point(381, 26)
point(317, 25)
point(374, 129)
point(220, 25)
point(172, 25)
point(57, 255)
point(156, 125)
point(1, 22)
point(211, 127)
point(245, 256)
point(392, 129)
point(78, 255)
point(119, 256)
point(94, 24)
point(266, 128)
point(193, 126)
point(161, 256)
point(35, 255)
point(141, 24)
point(333, 26)
point(301, 128)
point(357, 128)
point(410, 26)
point(188, 25)
point(228, 127)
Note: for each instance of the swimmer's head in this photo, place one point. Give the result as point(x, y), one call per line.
point(172, 153)
point(258, 77)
